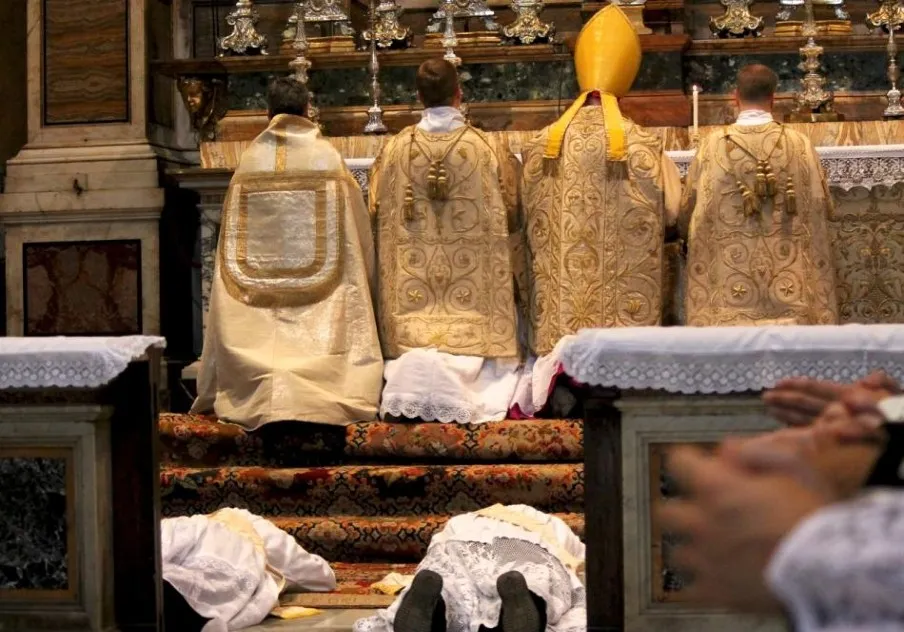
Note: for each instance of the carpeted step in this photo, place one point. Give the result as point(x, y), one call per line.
point(376, 538)
point(557, 440)
point(367, 490)
point(201, 441)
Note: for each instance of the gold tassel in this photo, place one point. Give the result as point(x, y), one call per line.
point(750, 204)
point(431, 181)
point(408, 205)
point(790, 198)
point(771, 185)
point(442, 183)
point(760, 179)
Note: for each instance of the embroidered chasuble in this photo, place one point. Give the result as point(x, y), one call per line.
point(595, 230)
point(448, 232)
point(291, 333)
point(755, 215)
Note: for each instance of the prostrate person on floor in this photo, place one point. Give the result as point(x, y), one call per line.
point(755, 214)
point(291, 333)
point(445, 200)
point(503, 568)
point(230, 567)
point(598, 191)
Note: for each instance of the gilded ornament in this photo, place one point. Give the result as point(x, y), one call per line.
point(244, 39)
point(889, 17)
point(739, 290)
point(206, 102)
point(894, 109)
point(786, 287)
point(527, 27)
point(463, 9)
point(329, 17)
point(737, 21)
point(450, 41)
point(788, 7)
point(375, 123)
point(815, 102)
point(386, 29)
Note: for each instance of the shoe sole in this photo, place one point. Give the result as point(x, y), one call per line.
point(415, 613)
point(519, 611)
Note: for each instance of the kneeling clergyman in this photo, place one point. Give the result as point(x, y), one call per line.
point(598, 192)
point(291, 333)
point(445, 200)
point(501, 569)
point(755, 215)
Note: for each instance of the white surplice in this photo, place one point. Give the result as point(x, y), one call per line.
point(474, 549)
point(231, 566)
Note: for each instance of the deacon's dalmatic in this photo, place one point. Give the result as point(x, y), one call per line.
point(755, 215)
point(291, 333)
point(446, 207)
point(598, 191)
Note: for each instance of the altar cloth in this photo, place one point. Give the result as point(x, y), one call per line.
point(730, 359)
point(64, 362)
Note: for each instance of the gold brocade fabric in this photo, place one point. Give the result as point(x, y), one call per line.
point(772, 267)
point(595, 231)
point(291, 333)
point(447, 266)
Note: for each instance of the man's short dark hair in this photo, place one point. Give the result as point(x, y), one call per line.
point(285, 95)
point(756, 83)
point(437, 83)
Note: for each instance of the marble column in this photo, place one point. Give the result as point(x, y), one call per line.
point(82, 200)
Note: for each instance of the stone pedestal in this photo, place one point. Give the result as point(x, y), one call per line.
point(82, 201)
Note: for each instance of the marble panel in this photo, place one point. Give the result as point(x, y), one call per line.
point(846, 71)
point(35, 537)
point(481, 83)
point(86, 61)
point(82, 288)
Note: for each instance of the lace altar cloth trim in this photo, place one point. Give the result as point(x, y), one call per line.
point(730, 359)
point(846, 167)
point(63, 362)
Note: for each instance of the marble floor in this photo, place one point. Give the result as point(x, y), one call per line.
point(329, 621)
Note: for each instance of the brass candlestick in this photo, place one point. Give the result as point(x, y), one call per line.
point(478, 9)
point(737, 21)
point(894, 109)
point(301, 64)
point(814, 101)
point(890, 16)
point(375, 123)
point(244, 36)
point(527, 27)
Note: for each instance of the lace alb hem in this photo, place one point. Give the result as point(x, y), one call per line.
point(412, 408)
point(69, 362)
point(724, 360)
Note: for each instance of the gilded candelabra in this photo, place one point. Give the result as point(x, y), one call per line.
point(244, 39)
point(331, 18)
point(890, 16)
point(737, 21)
point(375, 123)
point(814, 101)
point(386, 28)
point(527, 27)
point(450, 41)
point(894, 109)
point(478, 9)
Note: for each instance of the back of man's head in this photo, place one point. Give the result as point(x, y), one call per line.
point(285, 95)
point(756, 85)
point(437, 83)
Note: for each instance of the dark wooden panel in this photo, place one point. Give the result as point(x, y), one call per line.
point(82, 288)
point(86, 61)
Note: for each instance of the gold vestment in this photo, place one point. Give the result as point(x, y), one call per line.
point(447, 227)
point(595, 230)
point(291, 333)
point(755, 214)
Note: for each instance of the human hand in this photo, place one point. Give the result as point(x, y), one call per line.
point(731, 521)
point(797, 401)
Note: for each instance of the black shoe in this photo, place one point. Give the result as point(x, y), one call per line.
point(520, 611)
point(422, 608)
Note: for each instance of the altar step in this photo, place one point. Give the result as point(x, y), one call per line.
point(375, 492)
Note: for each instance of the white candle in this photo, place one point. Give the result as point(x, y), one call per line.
point(696, 92)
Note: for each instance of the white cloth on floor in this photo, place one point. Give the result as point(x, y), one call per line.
point(842, 569)
point(231, 566)
point(474, 549)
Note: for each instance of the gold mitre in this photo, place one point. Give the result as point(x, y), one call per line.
point(606, 59)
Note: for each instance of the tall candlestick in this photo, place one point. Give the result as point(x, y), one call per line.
point(696, 93)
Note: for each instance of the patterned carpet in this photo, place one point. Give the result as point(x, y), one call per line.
point(371, 494)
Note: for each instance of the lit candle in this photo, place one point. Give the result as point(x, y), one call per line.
point(696, 91)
